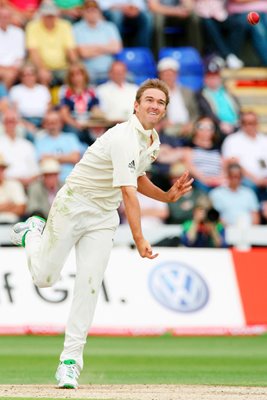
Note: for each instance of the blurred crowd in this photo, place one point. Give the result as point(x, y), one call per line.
point(62, 86)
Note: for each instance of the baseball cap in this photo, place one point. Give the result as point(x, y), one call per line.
point(3, 163)
point(49, 166)
point(48, 8)
point(91, 4)
point(168, 63)
point(214, 65)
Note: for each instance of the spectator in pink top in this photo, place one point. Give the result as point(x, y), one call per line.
point(238, 10)
point(222, 34)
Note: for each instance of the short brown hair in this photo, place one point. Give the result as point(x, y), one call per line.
point(153, 84)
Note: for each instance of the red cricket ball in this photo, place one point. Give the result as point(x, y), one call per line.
point(253, 17)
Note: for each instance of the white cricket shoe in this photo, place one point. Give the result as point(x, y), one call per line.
point(19, 231)
point(67, 374)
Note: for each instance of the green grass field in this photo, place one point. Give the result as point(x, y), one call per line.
point(157, 360)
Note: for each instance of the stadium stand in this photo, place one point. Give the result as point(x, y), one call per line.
point(140, 62)
point(191, 65)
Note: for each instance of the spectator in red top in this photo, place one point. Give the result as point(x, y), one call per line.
point(23, 10)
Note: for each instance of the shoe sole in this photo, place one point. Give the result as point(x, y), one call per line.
point(68, 386)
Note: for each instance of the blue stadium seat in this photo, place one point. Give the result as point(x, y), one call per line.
point(140, 62)
point(191, 65)
point(193, 82)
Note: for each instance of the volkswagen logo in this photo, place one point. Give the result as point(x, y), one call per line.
point(178, 287)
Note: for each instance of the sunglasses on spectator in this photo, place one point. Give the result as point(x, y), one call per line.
point(249, 122)
point(28, 73)
point(10, 121)
point(237, 176)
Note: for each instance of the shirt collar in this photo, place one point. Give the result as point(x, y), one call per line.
point(137, 125)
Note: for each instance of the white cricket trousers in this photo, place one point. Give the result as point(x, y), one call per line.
point(73, 221)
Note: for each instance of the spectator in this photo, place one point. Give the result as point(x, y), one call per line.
point(42, 192)
point(31, 99)
point(182, 109)
point(70, 9)
point(248, 147)
point(12, 48)
point(234, 201)
point(18, 152)
point(220, 32)
point(117, 96)
point(51, 45)
point(238, 10)
point(126, 15)
point(78, 101)
point(55, 144)
point(12, 197)
point(23, 11)
point(203, 158)
point(215, 101)
point(176, 12)
point(182, 209)
point(97, 40)
point(204, 230)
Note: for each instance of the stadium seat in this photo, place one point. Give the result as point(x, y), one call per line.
point(191, 65)
point(140, 62)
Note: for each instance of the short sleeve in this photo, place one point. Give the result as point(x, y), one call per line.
point(124, 161)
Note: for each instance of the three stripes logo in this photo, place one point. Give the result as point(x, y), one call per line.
point(131, 165)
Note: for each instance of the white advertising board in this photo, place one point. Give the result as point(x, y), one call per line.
point(180, 289)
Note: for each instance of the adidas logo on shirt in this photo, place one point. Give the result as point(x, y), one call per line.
point(131, 165)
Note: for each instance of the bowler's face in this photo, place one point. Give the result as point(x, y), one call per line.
point(151, 109)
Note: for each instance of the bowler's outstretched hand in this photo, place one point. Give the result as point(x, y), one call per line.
point(182, 186)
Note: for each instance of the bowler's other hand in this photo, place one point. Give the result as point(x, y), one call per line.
point(144, 249)
point(182, 186)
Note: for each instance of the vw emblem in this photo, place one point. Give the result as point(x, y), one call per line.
point(178, 287)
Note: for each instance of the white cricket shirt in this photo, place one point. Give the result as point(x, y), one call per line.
point(116, 159)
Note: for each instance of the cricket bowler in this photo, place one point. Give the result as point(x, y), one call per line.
point(84, 214)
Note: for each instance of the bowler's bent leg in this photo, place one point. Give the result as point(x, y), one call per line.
point(47, 253)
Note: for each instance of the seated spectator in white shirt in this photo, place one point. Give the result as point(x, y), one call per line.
point(117, 96)
point(31, 99)
point(248, 147)
point(19, 153)
point(235, 202)
point(12, 197)
point(12, 48)
point(182, 109)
